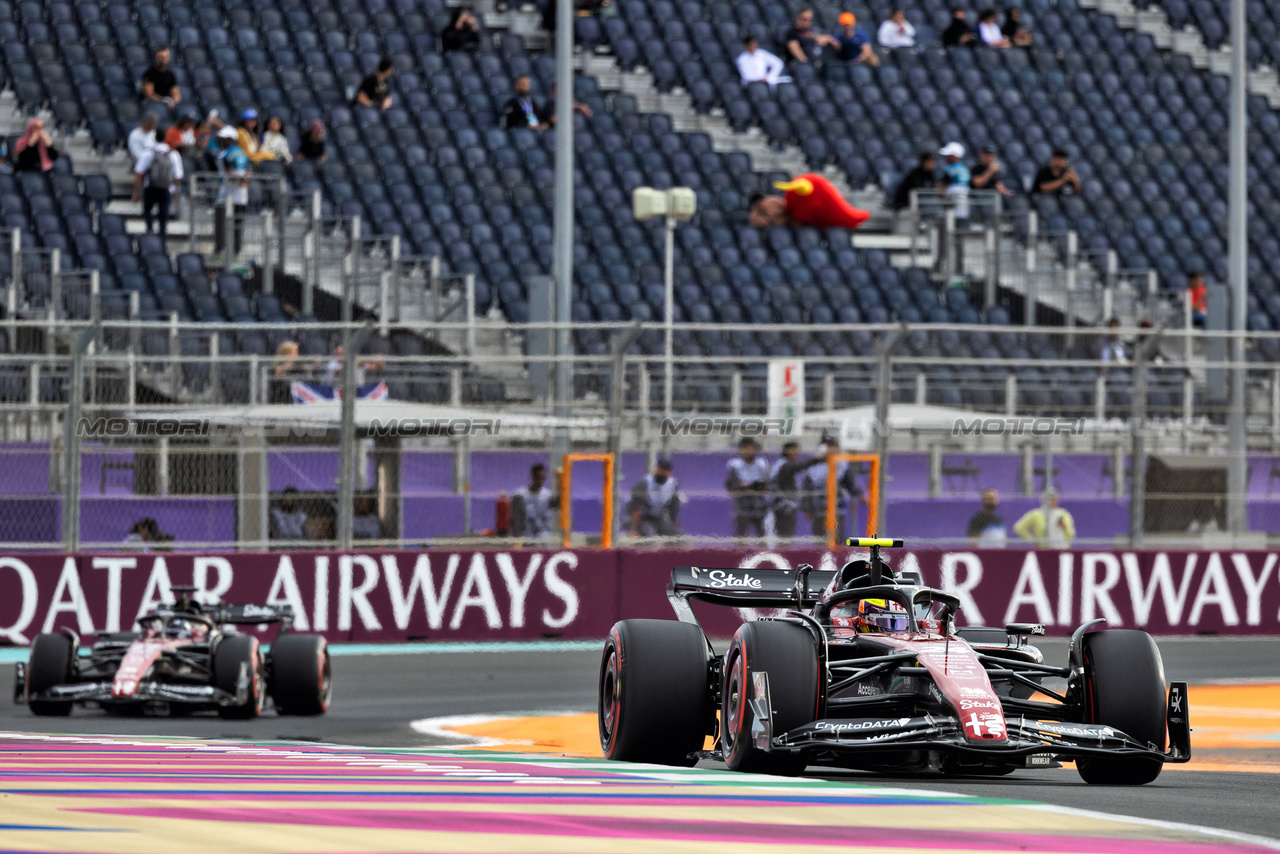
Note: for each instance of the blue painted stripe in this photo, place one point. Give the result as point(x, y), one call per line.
point(13, 654)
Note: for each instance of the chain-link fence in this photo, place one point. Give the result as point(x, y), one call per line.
point(203, 428)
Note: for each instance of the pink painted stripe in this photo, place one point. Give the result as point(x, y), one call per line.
point(697, 831)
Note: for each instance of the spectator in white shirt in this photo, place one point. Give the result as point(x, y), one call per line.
point(1113, 347)
point(755, 64)
point(157, 175)
point(989, 30)
point(142, 137)
point(897, 31)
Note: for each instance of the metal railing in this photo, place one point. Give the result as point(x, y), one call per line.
point(193, 379)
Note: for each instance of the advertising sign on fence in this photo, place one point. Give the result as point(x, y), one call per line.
point(495, 594)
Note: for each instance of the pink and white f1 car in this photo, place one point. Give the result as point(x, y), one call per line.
point(870, 672)
point(186, 655)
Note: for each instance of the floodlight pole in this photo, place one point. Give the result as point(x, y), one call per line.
point(669, 318)
point(1238, 266)
point(347, 431)
point(563, 270)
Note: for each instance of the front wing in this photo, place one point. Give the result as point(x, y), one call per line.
point(1045, 740)
point(148, 690)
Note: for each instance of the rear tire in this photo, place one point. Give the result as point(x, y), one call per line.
point(51, 663)
point(301, 682)
point(231, 652)
point(786, 652)
point(654, 700)
point(1124, 689)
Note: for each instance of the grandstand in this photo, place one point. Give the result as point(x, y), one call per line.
point(432, 221)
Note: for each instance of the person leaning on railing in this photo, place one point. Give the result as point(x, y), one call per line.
point(284, 372)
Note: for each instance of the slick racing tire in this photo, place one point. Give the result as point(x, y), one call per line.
point(301, 682)
point(1124, 689)
point(50, 664)
point(655, 701)
point(786, 653)
point(228, 655)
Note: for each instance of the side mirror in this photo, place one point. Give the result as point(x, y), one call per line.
point(1023, 629)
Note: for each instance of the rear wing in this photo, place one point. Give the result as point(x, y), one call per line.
point(252, 615)
point(749, 588)
point(755, 588)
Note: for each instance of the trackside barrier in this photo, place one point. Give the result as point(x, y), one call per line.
point(529, 594)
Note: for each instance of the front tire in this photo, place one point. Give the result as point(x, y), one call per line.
point(1124, 689)
point(230, 653)
point(51, 663)
point(654, 702)
point(301, 679)
point(786, 653)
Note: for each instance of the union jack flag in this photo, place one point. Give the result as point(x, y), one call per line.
point(308, 393)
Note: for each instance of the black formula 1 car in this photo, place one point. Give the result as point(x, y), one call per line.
point(187, 656)
point(870, 672)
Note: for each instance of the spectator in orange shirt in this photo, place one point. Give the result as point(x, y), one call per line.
point(1198, 296)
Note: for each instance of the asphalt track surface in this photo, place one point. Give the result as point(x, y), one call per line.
point(377, 696)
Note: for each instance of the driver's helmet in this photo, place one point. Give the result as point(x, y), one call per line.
point(187, 629)
point(870, 616)
point(880, 615)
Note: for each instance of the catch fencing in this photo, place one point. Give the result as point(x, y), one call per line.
point(196, 426)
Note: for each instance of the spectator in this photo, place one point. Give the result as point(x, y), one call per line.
point(956, 178)
point(1112, 346)
point(748, 484)
point(897, 31)
point(1198, 297)
point(531, 507)
point(550, 108)
point(312, 145)
point(274, 142)
point(958, 33)
point(146, 534)
point(1014, 30)
point(803, 44)
point(522, 111)
point(920, 178)
point(1057, 533)
point(156, 176)
point(375, 90)
point(854, 44)
point(989, 30)
point(142, 137)
point(462, 33)
point(333, 369)
point(986, 527)
point(786, 493)
point(247, 138)
point(284, 372)
point(209, 131)
point(654, 508)
point(365, 524)
point(758, 66)
point(159, 83)
point(767, 211)
point(235, 185)
point(814, 503)
point(986, 176)
point(288, 519)
point(34, 151)
point(182, 136)
point(1057, 178)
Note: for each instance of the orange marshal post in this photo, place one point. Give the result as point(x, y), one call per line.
point(566, 481)
point(873, 492)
